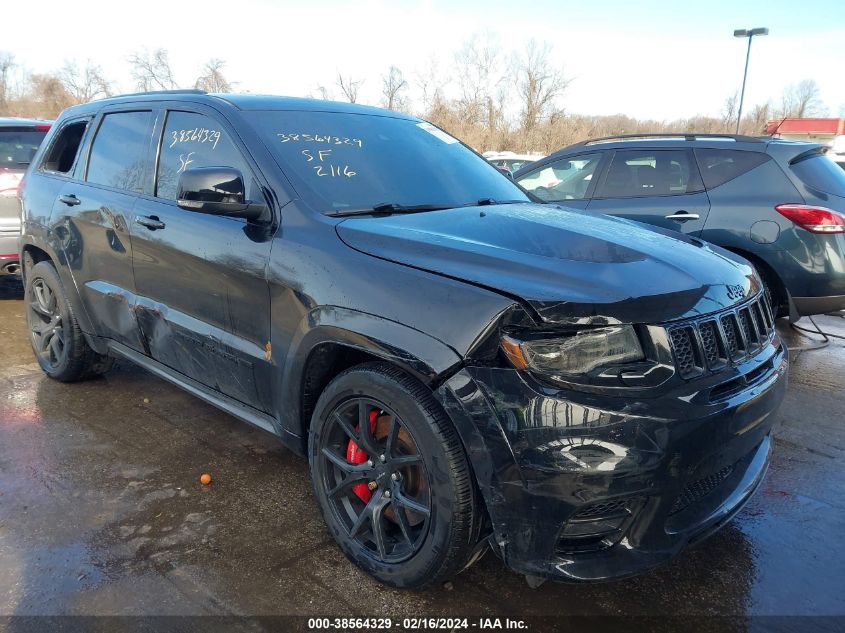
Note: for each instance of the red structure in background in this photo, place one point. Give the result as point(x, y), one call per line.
point(810, 127)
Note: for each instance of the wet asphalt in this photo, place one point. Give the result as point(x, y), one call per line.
point(102, 513)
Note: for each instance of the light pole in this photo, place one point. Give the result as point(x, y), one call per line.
point(749, 33)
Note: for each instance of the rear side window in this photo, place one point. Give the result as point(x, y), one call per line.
point(119, 150)
point(194, 140)
point(818, 172)
point(646, 173)
point(718, 166)
point(564, 179)
point(61, 156)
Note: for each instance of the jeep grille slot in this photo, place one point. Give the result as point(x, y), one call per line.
point(731, 336)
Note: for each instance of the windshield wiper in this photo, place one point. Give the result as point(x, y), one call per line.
point(387, 208)
point(483, 202)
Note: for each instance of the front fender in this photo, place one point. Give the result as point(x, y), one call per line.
point(422, 356)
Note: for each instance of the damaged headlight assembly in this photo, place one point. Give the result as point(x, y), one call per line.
point(579, 355)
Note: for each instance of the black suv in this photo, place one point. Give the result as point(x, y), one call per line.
point(780, 204)
point(460, 365)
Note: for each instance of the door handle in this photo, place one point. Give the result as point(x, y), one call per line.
point(151, 222)
point(70, 200)
point(682, 216)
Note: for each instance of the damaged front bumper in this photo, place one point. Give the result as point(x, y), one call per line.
point(587, 487)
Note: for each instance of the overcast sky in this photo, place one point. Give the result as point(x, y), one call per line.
point(645, 58)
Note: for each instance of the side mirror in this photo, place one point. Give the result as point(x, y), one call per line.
point(216, 191)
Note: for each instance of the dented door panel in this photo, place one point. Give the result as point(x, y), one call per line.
point(203, 301)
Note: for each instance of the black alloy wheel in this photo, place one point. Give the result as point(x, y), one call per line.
point(391, 477)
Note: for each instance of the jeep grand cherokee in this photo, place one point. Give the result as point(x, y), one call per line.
point(461, 366)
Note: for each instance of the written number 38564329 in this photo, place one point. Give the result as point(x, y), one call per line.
point(324, 166)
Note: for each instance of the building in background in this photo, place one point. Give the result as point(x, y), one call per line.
point(828, 131)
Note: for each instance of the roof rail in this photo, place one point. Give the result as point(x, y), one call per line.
point(687, 136)
point(178, 91)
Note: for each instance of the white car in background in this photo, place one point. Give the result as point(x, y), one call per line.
point(510, 161)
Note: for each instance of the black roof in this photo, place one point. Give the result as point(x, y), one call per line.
point(241, 102)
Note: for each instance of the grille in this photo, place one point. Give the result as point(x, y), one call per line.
point(604, 508)
point(731, 336)
point(682, 343)
point(710, 341)
point(699, 489)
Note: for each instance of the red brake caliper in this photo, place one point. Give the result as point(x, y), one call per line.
point(354, 455)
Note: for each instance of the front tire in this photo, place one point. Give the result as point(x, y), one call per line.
point(391, 477)
point(58, 343)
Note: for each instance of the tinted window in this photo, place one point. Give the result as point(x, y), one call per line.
point(339, 160)
point(564, 179)
point(718, 166)
point(819, 172)
point(18, 146)
point(193, 140)
point(638, 173)
point(117, 156)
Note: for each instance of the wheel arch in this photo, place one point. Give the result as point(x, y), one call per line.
point(34, 251)
point(332, 339)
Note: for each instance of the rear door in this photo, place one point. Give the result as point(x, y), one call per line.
point(656, 186)
point(568, 181)
point(92, 215)
point(204, 301)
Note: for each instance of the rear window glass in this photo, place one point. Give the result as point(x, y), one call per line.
point(817, 171)
point(718, 166)
point(18, 146)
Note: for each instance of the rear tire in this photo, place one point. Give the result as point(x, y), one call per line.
point(58, 343)
point(408, 515)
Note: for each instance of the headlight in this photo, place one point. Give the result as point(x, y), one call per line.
point(576, 354)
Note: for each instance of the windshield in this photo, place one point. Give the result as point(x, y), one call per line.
point(18, 146)
point(341, 161)
point(819, 172)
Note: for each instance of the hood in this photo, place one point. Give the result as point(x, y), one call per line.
point(570, 266)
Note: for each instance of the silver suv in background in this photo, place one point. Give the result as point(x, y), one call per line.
point(19, 140)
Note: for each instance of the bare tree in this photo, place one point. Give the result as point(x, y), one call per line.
point(48, 96)
point(729, 112)
point(349, 87)
point(7, 63)
point(431, 84)
point(393, 87)
point(152, 72)
point(755, 121)
point(540, 85)
point(212, 79)
point(802, 100)
point(84, 84)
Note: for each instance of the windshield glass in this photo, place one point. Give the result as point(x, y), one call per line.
point(18, 146)
point(819, 172)
point(339, 161)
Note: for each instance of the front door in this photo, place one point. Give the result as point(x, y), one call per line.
point(661, 187)
point(569, 181)
point(203, 298)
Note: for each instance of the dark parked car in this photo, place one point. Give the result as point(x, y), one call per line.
point(780, 204)
point(19, 140)
point(461, 366)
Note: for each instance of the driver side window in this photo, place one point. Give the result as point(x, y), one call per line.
point(194, 140)
point(565, 179)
